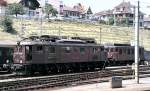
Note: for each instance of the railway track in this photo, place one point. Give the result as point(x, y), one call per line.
point(29, 83)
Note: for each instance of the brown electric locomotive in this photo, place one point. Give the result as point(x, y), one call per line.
point(122, 54)
point(49, 54)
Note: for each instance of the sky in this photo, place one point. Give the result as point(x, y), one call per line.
point(100, 5)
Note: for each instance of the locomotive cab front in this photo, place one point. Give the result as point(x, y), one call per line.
point(21, 53)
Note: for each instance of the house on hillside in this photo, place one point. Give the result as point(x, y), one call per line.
point(104, 15)
point(71, 12)
point(33, 8)
point(30, 6)
point(147, 22)
point(122, 13)
point(126, 11)
point(3, 5)
point(74, 12)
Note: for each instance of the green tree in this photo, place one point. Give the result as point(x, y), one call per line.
point(50, 10)
point(54, 12)
point(111, 21)
point(15, 9)
point(6, 24)
point(124, 22)
point(31, 4)
point(89, 11)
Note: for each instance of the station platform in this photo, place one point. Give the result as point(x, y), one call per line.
point(127, 85)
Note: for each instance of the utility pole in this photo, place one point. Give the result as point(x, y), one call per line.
point(114, 19)
point(100, 35)
point(134, 16)
point(41, 20)
point(137, 44)
point(59, 32)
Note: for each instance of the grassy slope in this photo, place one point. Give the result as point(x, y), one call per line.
point(108, 34)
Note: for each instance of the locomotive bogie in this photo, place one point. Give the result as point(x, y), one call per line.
point(31, 69)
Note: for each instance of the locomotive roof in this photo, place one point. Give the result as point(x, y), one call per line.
point(58, 42)
point(7, 43)
point(118, 46)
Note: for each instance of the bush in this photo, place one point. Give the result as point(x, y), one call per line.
point(102, 22)
point(111, 21)
point(6, 23)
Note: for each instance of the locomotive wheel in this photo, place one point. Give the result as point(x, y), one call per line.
point(61, 68)
point(78, 68)
point(53, 69)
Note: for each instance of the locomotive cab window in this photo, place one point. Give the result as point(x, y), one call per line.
point(28, 50)
point(19, 48)
point(95, 50)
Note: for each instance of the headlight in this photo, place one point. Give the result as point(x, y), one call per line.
point(20, 61)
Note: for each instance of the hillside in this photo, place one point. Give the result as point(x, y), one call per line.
point(102, 33)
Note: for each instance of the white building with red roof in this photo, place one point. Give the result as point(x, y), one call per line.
point(123, 11)
point(3, 5)
point(77, 11)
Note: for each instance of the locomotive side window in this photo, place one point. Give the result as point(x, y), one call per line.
point(28, 50)
point(52, 49)
point(39, 48)
point(82, 50)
